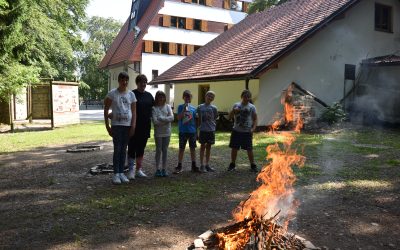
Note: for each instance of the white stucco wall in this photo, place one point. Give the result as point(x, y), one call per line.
point(114, 72)
point(174, 35)
point(318, 64)
point(201, 12)
point(226, 93)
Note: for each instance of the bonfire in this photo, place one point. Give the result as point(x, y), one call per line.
point(257, 217)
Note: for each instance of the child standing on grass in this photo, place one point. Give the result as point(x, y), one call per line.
point(162, 117)
point(245, 122)
point(123, 122)
point(208, 115)
point(187, 131)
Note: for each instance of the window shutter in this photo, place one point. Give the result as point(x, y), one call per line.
point(172, 49)
point(204, 26)
point(189, 49)
point(166, 21)
point(209, 2)
point(182, 51)
point(245, 6)
point(148, 46)
point(189, 23)
point(227, 4)
point(188, 1)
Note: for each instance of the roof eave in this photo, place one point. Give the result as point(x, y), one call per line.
point(214, 78)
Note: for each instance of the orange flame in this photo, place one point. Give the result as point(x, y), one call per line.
point(277, 177)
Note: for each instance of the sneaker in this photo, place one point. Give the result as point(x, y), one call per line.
point(231, 167)
point(178, 169)
point(131, 174)
point(158, 173)
point(203, 169)
point(115, 179)
point(164, 173)
point(195, 169)
point(140, 174)
point(253, 168)
point(210, 169)
point(123, 178)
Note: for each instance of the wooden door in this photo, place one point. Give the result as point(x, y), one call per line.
point(41, 102)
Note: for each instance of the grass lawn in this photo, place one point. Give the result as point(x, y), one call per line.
point(351, 162)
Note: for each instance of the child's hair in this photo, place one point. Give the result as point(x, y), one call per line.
point(210, 93)
point(141, 78)
point(122, 76)
point(246, 92)
point(187, 93)
point(159, 94)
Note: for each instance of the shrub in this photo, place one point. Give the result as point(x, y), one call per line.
point(333, 114)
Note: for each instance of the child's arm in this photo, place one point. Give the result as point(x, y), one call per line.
point(170, 115)
point(157, 120)
point(133, 121)
point(254, 118)
point(107, 105)
point(181, 112)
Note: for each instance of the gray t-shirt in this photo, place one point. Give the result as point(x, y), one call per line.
point(244, 119)
point(208, 115)
point(121, 107)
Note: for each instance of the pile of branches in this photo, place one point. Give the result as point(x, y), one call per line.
point(254, 233)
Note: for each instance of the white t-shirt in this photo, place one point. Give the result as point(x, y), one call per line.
point(121, 107)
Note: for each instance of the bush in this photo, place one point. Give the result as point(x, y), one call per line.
point(333, 114)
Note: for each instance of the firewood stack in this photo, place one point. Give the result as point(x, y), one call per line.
point(252, 233)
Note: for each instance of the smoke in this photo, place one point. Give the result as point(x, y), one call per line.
point(375, 100)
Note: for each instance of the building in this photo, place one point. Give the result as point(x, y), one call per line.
point(160, 33)
point(313, 43)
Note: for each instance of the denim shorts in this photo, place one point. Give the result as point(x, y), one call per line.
point(241, 140)
point(184, 137)
point(207, 137)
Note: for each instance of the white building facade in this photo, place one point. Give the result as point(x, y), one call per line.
point(175, 31)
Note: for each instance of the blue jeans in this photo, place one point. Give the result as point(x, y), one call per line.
point(120, 141)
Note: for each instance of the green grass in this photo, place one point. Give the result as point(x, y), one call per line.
point(79, 133)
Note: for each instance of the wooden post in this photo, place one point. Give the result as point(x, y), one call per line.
point(247, 83)
point(11, 112)
point(51, 105)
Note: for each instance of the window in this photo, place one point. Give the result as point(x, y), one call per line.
point(383, 18)
point(202, 2)
point(197, 24)
point(133, 14)
point(235, 5)
point(154, 74)
point(178, 22)
point(136, 66)
point(156, 47)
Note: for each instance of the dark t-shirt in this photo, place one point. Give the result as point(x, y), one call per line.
point(144, 105)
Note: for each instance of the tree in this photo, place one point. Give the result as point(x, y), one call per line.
point(38, 38)
point(261, 5)
point(101, 33)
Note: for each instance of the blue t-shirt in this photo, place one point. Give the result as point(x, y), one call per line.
point(188, 123)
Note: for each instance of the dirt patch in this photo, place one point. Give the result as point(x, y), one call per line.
point(48, 199)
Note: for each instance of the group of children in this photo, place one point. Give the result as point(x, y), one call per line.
point(129, 114)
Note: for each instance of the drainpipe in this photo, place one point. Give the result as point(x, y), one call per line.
point(247, 83)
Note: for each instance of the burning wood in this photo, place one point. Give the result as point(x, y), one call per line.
point(251, 233)
point(253, 230)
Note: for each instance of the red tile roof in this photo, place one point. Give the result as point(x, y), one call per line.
point(125, 48)
point(257, 42)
